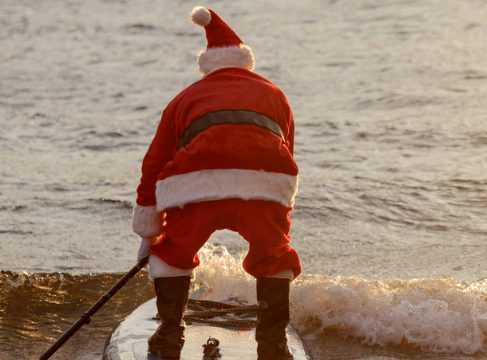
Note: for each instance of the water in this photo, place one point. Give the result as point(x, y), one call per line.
point(390, 105)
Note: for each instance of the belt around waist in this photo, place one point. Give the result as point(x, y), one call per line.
point(240, 117)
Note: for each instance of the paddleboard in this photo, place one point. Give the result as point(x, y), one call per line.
point(129, 340)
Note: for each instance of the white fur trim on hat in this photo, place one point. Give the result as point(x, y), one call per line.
point(146, 221)
point(229, 56)
point(200, 16)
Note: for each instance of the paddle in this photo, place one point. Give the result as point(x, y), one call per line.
point(86, 317)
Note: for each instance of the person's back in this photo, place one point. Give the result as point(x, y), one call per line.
point(234, 121)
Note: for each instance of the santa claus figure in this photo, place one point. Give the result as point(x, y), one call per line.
point(221, 158)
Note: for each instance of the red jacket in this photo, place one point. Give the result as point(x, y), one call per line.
point(218, 139)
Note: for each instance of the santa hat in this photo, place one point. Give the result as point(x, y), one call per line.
point(225, 48)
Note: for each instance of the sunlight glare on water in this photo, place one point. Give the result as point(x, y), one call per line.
point(389, 100)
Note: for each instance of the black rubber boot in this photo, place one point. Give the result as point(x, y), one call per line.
point(272, 319)
point(172, 298)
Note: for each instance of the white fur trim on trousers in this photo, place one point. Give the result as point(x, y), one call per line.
point(285, 274)
point(159, 268)
point(208, 185)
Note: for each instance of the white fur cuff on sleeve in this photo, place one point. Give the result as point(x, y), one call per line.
point(146, 221)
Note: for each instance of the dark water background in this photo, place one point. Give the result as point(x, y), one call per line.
point(390, 106)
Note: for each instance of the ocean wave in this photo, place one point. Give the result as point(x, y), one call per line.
point(433, 315)
point(444, 316)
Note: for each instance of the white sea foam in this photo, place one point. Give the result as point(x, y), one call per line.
point(436, 315)
point(224, 274)
point(444, 316)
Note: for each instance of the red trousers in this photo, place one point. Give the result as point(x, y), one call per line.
point(264, 224)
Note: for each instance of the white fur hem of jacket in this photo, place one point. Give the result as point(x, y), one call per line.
point(219, 184)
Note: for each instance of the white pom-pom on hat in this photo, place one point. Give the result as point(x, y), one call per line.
point(200, 16)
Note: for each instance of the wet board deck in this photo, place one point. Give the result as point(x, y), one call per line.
point(129, 340)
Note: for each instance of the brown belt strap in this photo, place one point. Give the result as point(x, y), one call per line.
point(240, 117)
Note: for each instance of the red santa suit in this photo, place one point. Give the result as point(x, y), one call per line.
point(222, 158)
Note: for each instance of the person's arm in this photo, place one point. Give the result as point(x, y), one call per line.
point(290, 136)
point(289, 121)
point(146, 220)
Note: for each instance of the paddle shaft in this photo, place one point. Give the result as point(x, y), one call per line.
point(86, 316)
